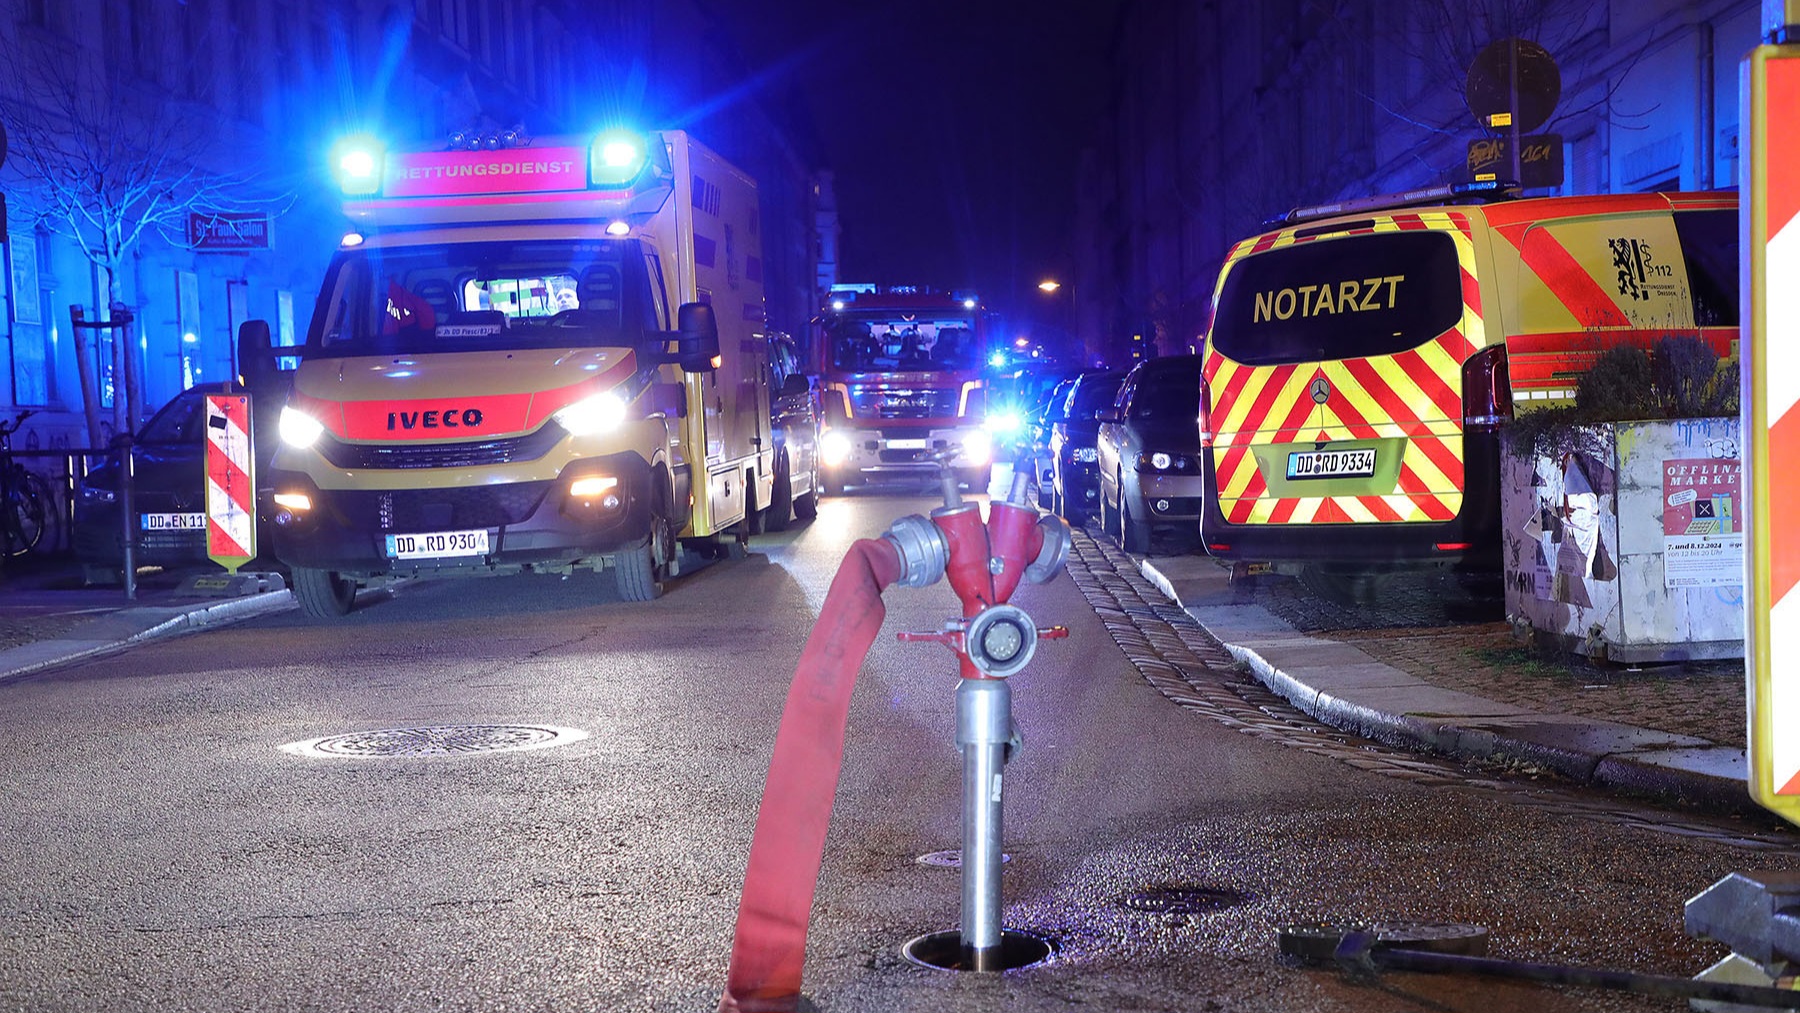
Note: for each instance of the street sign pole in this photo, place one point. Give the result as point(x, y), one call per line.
point(1770, 232)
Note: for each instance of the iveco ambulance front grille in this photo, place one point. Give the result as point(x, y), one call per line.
point(456, 508)
point(873, 403)
point(474, 453)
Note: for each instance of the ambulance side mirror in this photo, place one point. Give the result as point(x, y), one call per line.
point(696, 337)
point(256, 354)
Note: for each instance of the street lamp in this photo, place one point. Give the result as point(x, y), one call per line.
point(1049, 284)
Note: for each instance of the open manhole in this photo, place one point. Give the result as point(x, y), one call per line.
point(944, 951)
point(1181, 899)
point(438, 740)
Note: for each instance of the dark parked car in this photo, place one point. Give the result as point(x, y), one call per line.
point(1074, 474)
point(1149, 452)
point(168, 490)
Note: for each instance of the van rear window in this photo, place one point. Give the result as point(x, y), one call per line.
point(1709, 244)
point(1345, 298)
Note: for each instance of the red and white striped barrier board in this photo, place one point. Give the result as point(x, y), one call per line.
point(230, 481)
point(1771, 410)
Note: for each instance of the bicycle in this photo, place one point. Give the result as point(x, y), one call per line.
point(25, 497)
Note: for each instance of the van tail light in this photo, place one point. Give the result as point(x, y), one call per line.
point(1206, 429)
point(1487, 389)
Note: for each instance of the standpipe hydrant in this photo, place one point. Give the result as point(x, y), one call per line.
point(992, 641)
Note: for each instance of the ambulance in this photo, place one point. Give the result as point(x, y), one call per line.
point(542, 357)
point(1363, 358)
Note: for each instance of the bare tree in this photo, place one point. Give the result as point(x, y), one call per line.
point(105, 165)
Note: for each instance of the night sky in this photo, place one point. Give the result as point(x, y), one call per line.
point(954, 128)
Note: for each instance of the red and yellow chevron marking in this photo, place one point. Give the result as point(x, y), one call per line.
point(1414, 396)
point(230, 481)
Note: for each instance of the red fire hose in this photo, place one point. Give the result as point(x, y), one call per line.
point(768, 949)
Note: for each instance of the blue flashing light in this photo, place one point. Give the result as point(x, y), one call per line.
point(356, 161)
point(997, 360)
point(616, 158)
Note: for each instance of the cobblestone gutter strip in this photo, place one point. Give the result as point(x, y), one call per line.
point(1399, 711)
point(128, 627)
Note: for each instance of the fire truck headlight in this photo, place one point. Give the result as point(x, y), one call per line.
point(601, 413)
point(616, 158)
point(978, 448)
point(299, 429)
point(834, 448)
point(357, 163)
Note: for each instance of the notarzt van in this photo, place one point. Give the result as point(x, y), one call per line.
point(1362, 357)
point(535, 358)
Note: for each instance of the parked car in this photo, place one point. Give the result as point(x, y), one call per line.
point(794, 410)
point(1074, 472)
point(168, 491)
point(1148, 451)
point(1048, 415)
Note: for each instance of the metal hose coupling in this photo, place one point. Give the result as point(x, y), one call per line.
point(1055, 552)
point(924, 552)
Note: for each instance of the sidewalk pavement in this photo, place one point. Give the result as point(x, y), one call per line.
point(49, 618)
point(1340, 684)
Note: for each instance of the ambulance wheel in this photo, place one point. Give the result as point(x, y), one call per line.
point(781, 498)
point(1134, 535)
point(323, 594)
point(807, 507)
point(638, 572)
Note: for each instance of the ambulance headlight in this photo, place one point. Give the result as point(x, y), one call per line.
point(834, 448)
point(978, 448)
point(298, 429)
point(357, 163)
point(600, 413)
point(616, 158)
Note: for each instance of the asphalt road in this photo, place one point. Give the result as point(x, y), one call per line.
point(163, 853)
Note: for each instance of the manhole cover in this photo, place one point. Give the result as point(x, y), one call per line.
point(1181, 900)
point(438, 740)
point(951, 859)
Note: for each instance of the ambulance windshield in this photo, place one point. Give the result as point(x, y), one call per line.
point(461, 297)
point(907, 343)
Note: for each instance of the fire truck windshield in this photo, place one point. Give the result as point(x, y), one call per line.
point(462, 297)
point(912, 344)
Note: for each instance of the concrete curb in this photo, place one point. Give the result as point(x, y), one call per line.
point(1343, 687)
point(126, 627)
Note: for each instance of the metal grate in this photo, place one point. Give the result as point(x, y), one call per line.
point(437, 740)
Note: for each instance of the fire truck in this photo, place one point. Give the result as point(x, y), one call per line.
point(903, 385)
point(543, 357)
